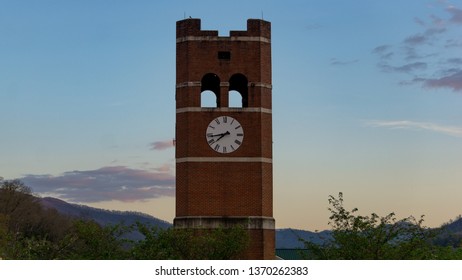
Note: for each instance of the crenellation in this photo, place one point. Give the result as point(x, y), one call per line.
point(190, 28)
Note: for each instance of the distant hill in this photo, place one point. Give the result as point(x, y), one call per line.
point(285, 238)
point(101, 216)
point(104, 217)
point(451, 234)
point(290, 238)
point(454, 226)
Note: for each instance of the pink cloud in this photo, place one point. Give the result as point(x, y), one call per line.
point(162, 145)
point(456, 14)
point(453, 82)
point(119, 183)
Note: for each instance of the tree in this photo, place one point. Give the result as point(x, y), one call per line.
point(210, 244)
point(356, 236)
point(4, 235)
point(87, 240)
point(30, 231)
point(27, 230)
point(17, 203)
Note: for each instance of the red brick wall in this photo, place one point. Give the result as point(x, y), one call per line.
point(225, 188)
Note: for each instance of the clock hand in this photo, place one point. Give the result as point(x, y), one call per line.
point(223, 135)
point(215, 135)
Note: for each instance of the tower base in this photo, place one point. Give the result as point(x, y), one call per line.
point(260, 229)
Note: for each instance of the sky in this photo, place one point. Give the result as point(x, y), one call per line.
point(367, 99)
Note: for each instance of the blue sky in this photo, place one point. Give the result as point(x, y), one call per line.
point(367, 99)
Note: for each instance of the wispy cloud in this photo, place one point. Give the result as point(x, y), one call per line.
point(406, 68)
point(416, 39)
point(455, 60)
point(455, 131)
point(424, 38)
point(162, 145)
point(313, 26)
point(419, 21)
point(452, 81)
point(335, 61)
point(456, 14)
point(422, 54)
point(453, 43)
point(107, 183)
point(384, 52)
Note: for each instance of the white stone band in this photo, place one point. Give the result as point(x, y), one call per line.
point(223, 84)
point(224, 159)
point(217, 38)
point(207, 222)
point(224, 109)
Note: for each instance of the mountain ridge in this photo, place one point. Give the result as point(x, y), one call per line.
point(101, 216)
point(286, 238)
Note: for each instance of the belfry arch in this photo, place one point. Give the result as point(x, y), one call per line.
point(238, 84)
point(210, 85)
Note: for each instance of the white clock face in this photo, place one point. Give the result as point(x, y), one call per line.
point(224, 134)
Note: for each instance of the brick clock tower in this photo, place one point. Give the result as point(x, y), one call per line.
point(224, 160)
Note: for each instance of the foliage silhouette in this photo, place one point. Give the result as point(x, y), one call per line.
point(358, 237)
point(30, 231)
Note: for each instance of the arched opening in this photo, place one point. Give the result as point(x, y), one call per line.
point(235, 99)
point(208, 99)
point(238, 84)
point(210, 90)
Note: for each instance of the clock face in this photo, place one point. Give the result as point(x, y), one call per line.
point(224, 134)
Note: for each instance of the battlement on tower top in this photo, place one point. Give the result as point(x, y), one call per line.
point(192, 27)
